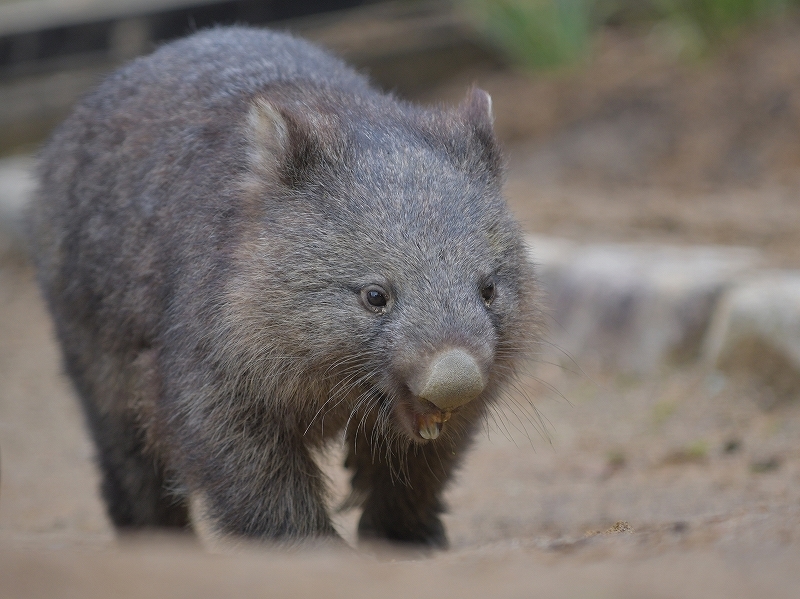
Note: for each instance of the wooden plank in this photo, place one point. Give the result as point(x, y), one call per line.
point(34, 15)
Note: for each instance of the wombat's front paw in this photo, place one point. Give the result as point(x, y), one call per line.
point(428, 533)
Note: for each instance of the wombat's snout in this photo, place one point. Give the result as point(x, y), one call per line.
point(452, 380)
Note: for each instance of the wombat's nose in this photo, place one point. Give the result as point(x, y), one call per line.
point(453, 380)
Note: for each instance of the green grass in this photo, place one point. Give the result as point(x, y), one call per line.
point(543, 34)
point(697, 450)
point(721, 17)
point(537, 33)
point(662, 411)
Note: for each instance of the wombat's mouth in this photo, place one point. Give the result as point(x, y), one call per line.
point(422, 420)
point(436, 387)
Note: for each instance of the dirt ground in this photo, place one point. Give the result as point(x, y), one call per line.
point(707, 481)
point(677, 485)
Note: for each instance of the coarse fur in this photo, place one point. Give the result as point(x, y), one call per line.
point(205, 225)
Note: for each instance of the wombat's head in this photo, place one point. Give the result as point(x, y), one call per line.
point(387, 263)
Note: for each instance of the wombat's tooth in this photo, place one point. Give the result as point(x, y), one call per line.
point(430, 425)
point(429, 431)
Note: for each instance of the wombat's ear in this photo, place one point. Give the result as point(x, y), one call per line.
point(285, 145)
point(476, 109)
point(268, 136)
point(476, 112)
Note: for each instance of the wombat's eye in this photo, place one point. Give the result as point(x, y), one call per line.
point(487, 292)
point(375, 298)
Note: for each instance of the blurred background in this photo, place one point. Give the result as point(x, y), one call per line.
point(654, 160)
point(698, 98)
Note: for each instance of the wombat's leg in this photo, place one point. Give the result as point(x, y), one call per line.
point(262, 484)
point(132, 483)
point(401, 492)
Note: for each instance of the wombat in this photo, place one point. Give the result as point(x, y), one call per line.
point(248, 251)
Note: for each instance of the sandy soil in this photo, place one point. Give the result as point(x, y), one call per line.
point(707, 480)
point(589, 484)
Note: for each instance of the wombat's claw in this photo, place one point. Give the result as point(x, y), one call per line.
point(430, 425)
